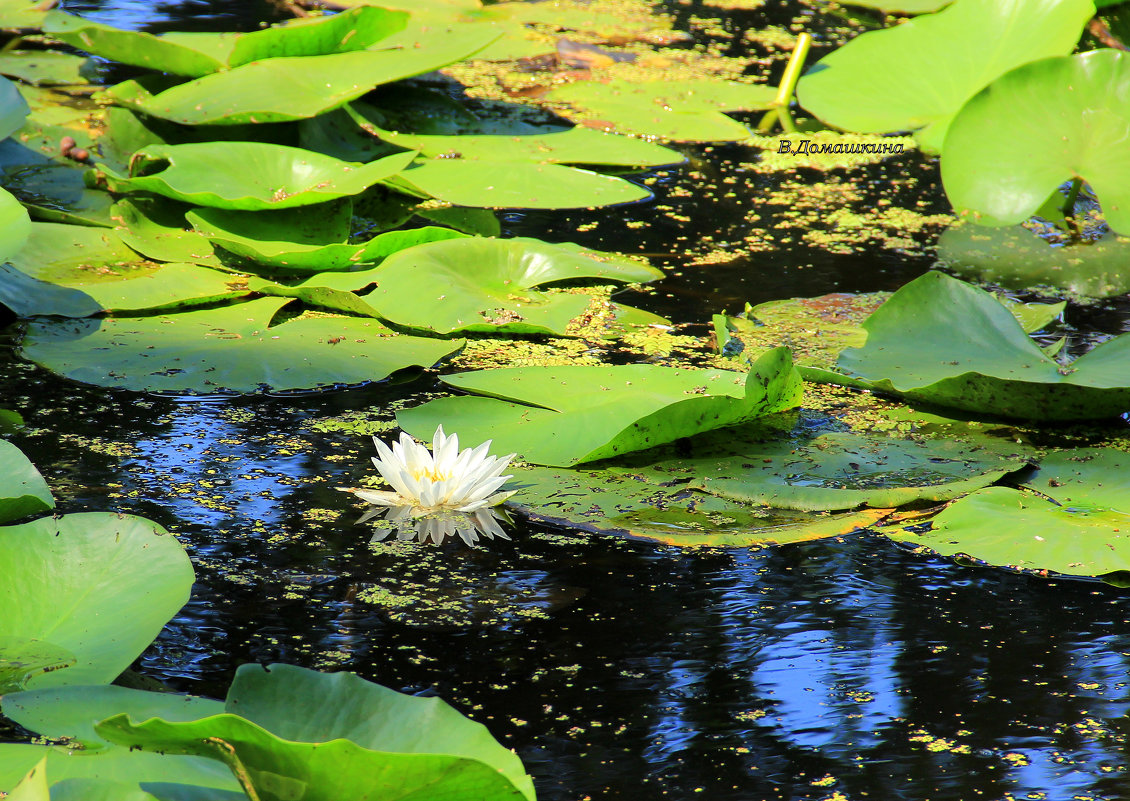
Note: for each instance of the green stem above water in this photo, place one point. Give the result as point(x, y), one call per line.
point(779, 110)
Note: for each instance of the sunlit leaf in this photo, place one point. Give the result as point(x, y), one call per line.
point(23, 491)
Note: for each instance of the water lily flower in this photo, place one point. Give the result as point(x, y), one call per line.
point(443, 479)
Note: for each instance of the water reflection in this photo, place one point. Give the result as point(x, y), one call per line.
point(435, 527)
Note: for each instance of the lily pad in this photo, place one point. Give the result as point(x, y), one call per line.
point(23, 491)
point(606, 502)
point(248, 175)
point(1078, 525)
point(350, 737)
point(305, 240)
point(44, 67)
point(684, 111)
point(15, 226)
point(561, 416)
point(61, 574)
point(75, 271)
point(837, 470)
point(486, 184)
point(939, 340)
point(155, 228)
point(559, 146)
point(1017, 258)
point(21, 14)
point(1069, 118)
point(475, 284)
point(226, 349)
point(916, 76)
point(282, 90)
point(13, 108)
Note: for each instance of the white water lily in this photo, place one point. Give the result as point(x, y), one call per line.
point(443, 479)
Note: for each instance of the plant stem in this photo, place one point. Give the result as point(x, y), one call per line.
point(792, 71)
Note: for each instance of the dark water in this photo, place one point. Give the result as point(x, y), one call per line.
point(841, 669)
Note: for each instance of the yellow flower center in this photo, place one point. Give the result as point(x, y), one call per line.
point(431, 475)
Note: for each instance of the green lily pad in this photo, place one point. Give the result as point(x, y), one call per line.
point(15, 226)
point(486, 184)
point(305, 240)
point(181, 778)
point(22, 658)
point(13, 108)
point(1078, 525)
point(478, 284)
point(226, 349)
point(939, 340)
point(351, 736)
point(281, 90)
point(63, 573)
point(559, 146)
point(21, 14)
point(916, 76)
point(683, 111)
point(198, 54)
point(607, 502)
point(154, 227)
point(1069, 118)
point(71, 712)
point(75, 271)
point(837, 470)
point(248, 175)
point(560, 416)
point(44, 67)
point(23, 491)
point(1017, 258)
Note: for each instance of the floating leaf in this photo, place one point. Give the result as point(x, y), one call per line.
point(939, 340)
point(1017, 258)
point(917, 75)
point(520, 185)
point(487, 285)
point(686, 111)
point(226, 349)
point(13, 108)
point(335, 735)
point(305, 240)
point(15, 226)
point(74, 271)
point(608, 502)
point(836, 470)
point(44, 67)
point(281, 90)
point(1068, 117)
point(564, 415)
point(61, 574)
point(1079, 525)
point(152, 227)
point(23, 491)
point(248, 175)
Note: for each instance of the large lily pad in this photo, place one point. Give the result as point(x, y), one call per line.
point(64, 577)
point(607, 502)
point(337, 736)
point(917, 75)
point(305, 240)
point(249, 175)
point(226, 349)
point(281, 90)
point(198, 54)
point(13, 108)
point(838, 470)
point(1017, 258)
point(939, 340)
point(76, 271)
point(1078, 525)
point(684, 111)
point(561, 416)
point(23, 491)
point(488, 285)
point(1068, 117)
point(493, 184)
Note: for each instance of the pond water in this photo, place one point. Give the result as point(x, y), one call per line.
point(847, 668)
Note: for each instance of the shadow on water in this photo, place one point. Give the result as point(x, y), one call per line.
point(616, 669)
